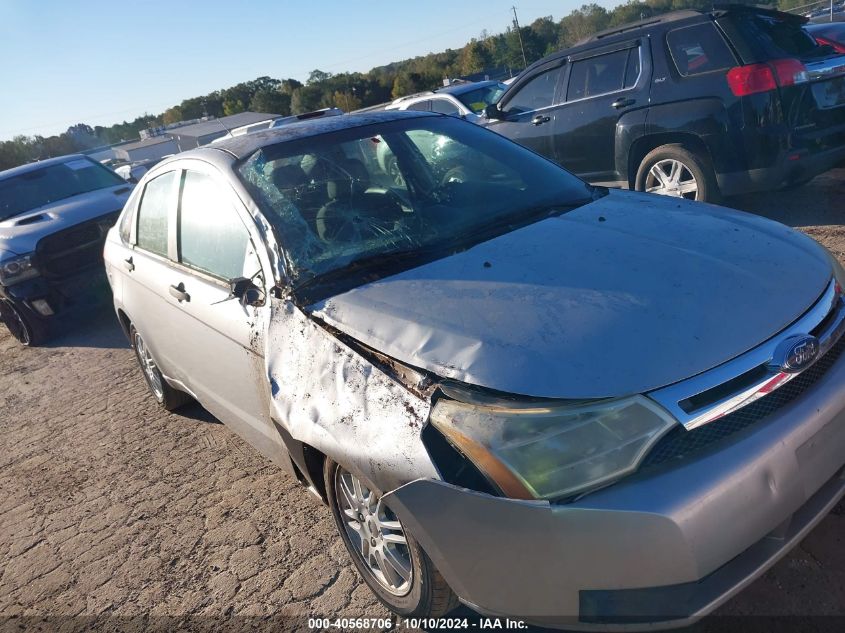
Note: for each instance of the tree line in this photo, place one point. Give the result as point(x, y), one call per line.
point(509, 50)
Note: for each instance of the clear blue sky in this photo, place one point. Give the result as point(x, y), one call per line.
point(96, 62)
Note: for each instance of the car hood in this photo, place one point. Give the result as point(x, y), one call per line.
point(624, 295)
point(20, 234)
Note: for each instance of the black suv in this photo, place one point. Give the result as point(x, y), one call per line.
point(693, 104)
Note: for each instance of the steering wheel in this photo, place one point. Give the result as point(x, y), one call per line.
point(340, 222)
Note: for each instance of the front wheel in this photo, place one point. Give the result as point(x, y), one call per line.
point(24, 328)
point(672, 170)
point(168, 397)
point(392, 563)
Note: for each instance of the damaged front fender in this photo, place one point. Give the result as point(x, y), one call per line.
point(328, 396)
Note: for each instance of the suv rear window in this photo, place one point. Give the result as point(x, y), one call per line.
point(699, 49)
point(777, 37)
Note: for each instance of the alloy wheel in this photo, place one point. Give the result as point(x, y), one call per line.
point(375, 532)
point(148, 366)
point(670, 177)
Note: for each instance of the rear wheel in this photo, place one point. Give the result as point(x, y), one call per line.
point(672, 170)
point(391, 562)
point(26, 329)
point(168, 397)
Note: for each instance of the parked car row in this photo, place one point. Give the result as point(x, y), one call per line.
point(511, 387)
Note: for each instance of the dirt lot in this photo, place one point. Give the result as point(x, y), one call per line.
point(118, 516)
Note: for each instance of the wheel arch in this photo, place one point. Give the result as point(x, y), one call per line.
point(645, 144)
point(125, 323)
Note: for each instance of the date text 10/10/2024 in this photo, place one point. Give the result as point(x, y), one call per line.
point(437, 624)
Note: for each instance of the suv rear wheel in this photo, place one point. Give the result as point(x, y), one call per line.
point(391, 562)
point(672, 170)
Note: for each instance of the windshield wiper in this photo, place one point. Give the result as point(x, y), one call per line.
point(371, 263)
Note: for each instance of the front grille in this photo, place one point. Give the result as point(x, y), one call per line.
point(680, 443)
point(72, 250)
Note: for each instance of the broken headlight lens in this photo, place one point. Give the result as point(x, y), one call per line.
point(17, 268)
point(552, 451)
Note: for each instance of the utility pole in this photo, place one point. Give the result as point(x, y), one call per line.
point(519, 34)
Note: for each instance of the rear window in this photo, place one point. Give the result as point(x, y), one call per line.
point(158, 201)
point(699, 49)
point(598, 75)
point(773, 37)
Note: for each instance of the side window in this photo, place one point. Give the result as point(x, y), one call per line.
point(632, 71)
point(699, 49)
point(538, 93)
point(597, 75)
point(444, 107)
point(423, 106)
point(159, 198)
point(212, 237)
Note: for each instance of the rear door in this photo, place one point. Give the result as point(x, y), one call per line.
point(602, 86)
point(145, 264)
point(529, 109)
point(219, 342)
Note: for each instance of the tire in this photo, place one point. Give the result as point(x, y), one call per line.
point(167, 397)
point(27, 330)
point(424, 593)
point(693, 180)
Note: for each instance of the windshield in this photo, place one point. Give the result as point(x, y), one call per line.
point(477, 100)
point(426, 187)
point(40, 187)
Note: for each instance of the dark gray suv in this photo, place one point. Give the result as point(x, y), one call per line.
point(54, 215)
point(690, 104)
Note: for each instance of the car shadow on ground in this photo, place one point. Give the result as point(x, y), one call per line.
point(195, 411)
point(96, 328)
point(818, 203)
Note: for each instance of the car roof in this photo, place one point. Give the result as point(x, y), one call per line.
point(244, 145)
point(29, 167)
point(458, 89)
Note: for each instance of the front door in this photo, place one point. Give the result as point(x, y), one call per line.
point(601, 89)
point(219, 342)
point(528, 113)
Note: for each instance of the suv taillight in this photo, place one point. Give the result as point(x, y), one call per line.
point(754, 78)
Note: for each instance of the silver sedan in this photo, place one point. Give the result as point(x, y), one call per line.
point(544, 399)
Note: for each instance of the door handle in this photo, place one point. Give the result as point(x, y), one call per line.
point(623, 103)
point(540, 119)
point(178, 292)
point(128, 264)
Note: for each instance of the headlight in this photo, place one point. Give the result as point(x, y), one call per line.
point(17, 268)
point(537, 451)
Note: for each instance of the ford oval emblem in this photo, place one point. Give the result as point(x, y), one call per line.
point(795, 354)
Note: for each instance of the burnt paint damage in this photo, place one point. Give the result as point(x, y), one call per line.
point(329, 396)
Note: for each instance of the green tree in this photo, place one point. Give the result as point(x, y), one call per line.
point(272, 101)
point(474, 58)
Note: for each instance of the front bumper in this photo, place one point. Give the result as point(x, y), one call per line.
point(659, 548)
point(69, 294)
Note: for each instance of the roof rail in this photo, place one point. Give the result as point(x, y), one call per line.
point(411, 96)
point(632, 26)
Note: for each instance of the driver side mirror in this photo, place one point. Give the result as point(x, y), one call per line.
point(493, 112)
point(247, 293)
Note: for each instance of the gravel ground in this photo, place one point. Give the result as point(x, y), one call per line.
point(116, 515)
